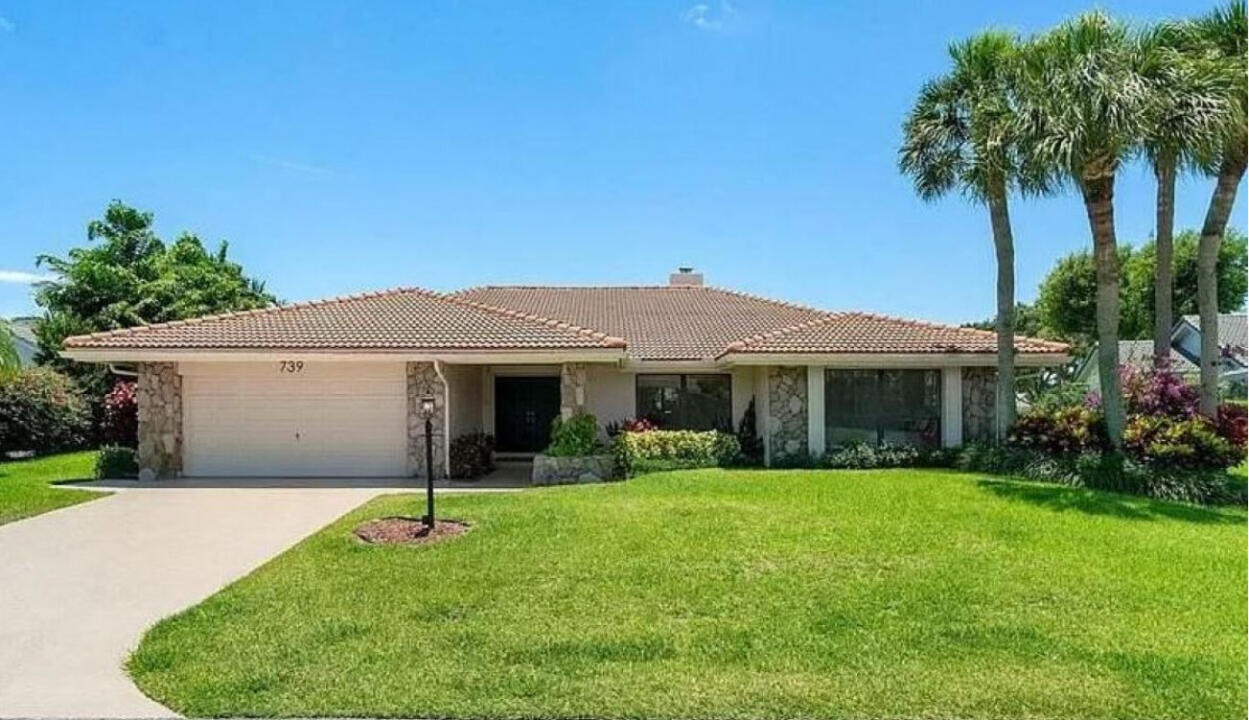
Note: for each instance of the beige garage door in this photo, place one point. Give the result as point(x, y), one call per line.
point(294, 419)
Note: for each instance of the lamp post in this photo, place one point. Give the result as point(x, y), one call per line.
point(427, 412)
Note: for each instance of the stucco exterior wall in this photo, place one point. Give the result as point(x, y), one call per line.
point(611, 393)
point(465, 391)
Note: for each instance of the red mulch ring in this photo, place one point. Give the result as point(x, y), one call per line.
point(407, 531)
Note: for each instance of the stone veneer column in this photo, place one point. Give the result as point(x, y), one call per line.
point(158, 393)
point(423, 380)
point(979, 404)
point(571, 389)
point(787, 414)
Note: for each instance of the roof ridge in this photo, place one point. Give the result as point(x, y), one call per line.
point(773, 301)
point(267, 310)
point(602, 337)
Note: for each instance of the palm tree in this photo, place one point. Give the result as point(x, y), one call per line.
point(1183, 123)
point(961, 135)
point(1220, 36)
point(1083, 99)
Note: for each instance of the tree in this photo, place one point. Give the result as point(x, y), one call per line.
point(1184, 117)
point(1084, 100)
point(1027, 322)
point(961, 135)
point(1221, 37)
point(1065, 308)
point(127, 276)
point(9, 360)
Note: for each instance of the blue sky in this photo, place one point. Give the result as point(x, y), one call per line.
point(350, 146)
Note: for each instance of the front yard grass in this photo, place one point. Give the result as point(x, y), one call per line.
point(26, 487)
point(737, 594)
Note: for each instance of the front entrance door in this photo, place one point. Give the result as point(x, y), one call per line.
point(524, 408)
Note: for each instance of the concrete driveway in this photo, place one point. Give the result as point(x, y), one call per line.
point(78, 586)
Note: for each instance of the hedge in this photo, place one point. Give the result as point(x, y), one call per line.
point(654, 450)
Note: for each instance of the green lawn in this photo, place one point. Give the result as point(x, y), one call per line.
point(722, 594)
point(25, 485)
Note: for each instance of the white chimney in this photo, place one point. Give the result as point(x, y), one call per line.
point(685, 276)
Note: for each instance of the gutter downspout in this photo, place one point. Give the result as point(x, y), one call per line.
point(446, 420)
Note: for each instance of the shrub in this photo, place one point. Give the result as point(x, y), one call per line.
point(1189, 444)
point(865, 456)
point(1067, 430)
point(748, 438)
point(1065, 395)
point(41, 410)
point(119, 422)
point(575, 436)
point(116, 461)
point(472, 455)
point(673, 450)
point(1231, 424)
point(1110, 472)
point(1157, 391)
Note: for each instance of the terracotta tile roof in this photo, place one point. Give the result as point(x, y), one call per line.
point(694, 323)
point(857, 332)
point(399, 319)
point(658, 322)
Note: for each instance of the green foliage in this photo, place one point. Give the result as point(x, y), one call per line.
point(1066, 394)
point(867, 456)
point(1111, 472)
point(127, 276)
point(472, 455)
point(748, 438)
point(1066, 306)
point(1027, 322)
point(8, 348)
point(674, 449)
point(1191, 443)
point(41, 410)
point(1060, 431)
point(115, 462)
point(576, 436)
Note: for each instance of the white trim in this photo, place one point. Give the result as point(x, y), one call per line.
point(815, 411)
point(896, 360)
point(951, 407)
point(104, 355)
point(763, 413)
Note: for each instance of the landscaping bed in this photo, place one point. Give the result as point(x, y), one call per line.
point(737, 594)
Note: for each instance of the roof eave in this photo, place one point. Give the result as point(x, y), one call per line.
point(916, 359)
point(500, 356)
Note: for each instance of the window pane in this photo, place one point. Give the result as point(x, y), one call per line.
point(658, 398)
point(707, 403)
point(911, 407)
point(850, 406)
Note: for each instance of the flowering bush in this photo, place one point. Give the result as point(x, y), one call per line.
point(1063, 431)
point(119, 423)
point(631, 425)
point(1231, 424)
point(1158, 391)
point(41, 410)
point(1190, 444)
point(472, 455)
point(673, 449)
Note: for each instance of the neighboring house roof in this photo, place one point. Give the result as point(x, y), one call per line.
point(1233, 329)
point(24, 339)
point(400, 319)
point(675, 322)
point(1140, 354)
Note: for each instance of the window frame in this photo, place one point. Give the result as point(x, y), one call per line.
point(683, 387)
point(885, 420)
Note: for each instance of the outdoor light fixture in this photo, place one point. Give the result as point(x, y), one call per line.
point(427, 412)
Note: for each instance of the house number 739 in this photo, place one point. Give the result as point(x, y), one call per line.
point(291, 366)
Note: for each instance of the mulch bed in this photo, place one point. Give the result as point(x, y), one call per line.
point(407, 531)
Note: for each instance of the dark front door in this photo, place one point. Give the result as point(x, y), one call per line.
point(524, 408)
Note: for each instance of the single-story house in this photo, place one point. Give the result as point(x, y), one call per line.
point(335, 387)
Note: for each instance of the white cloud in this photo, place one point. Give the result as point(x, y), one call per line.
point(706, 16)
point(305, 168)
point(6, 25)
point(18, 277)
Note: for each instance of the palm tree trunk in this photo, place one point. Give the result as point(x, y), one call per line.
point(1004, 247)
point(1230, 172)
point(1164, 171)
point(1099, 194)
